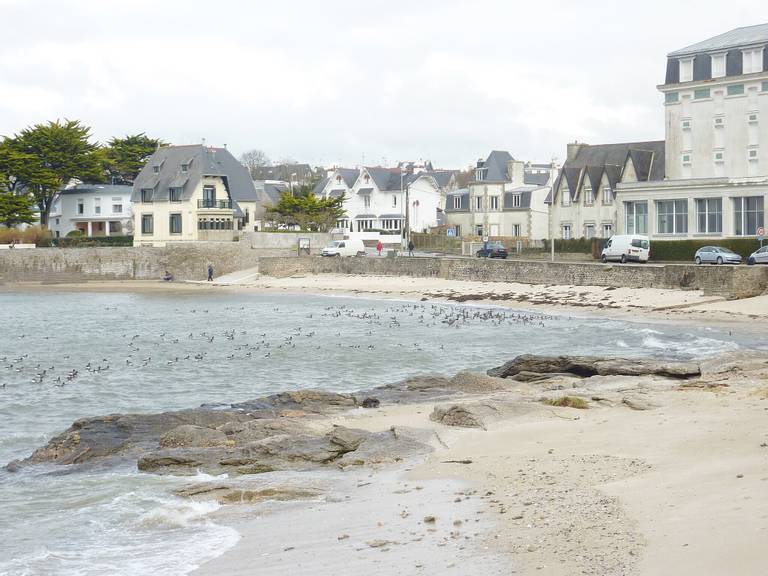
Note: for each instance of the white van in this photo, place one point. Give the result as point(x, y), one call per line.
point(344, 248)
point(627, 247)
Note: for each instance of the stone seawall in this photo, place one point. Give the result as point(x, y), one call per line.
point(184, 261)
point(728, 281)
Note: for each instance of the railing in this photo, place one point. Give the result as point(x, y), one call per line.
point(220, 204)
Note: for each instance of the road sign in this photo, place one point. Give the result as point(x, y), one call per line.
point(485, 238)
point(760, 232)
point(451, 232)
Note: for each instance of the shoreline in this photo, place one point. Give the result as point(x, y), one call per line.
point(627, 304)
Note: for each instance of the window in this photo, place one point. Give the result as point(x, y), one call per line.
point(752, 153)
point(146, 195)
point(686, 69)
point(394, 200)
point(516, 200)
point(719, 156)
point(709, 215)
point(686, 124)
point(701, 93)
point(81, 206)
point(209, 197)
point(184, 168)
point(752, 60)
point(607, 195)
point(114, 227)
point(765, 87)
point(457, 202)
point(367, 200)
point(672, 217)
point(343, 224)
point(478, 229)
point(58, 221)
point(147, 224)
point(735, 89)
point(566, 197)
point(748, 215)
point(390, 224)
point(174, 223)
point(97, 205)
point(479, 203)
point(174, 194)
point(718, 65)
point(589, 231)
point(671, 97)
point(156, 169)
point(686, 158)
point(117, 208)
point(607, 230)
point(589, 195)
point(566, 231)
point(494, 202)
point(719, 121)
point(752, 117)
point(516, 230)
point(637, 217)
point(364, 225)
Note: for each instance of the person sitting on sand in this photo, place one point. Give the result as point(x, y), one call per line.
point(168, 277)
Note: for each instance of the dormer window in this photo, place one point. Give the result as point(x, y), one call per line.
point(147, 195)
point(367, 178)
point(184, 168)
point(156, 169)
point(718, 65)
point(566, 197)
point(752, 60)
point(338, 179)
point(686, 69)
point(607, 195)
point(589, 195)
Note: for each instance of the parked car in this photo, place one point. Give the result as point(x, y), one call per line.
point(716, 255)
point(758, 256)
point(344, 248)
point(493, 250)
point(623, 247)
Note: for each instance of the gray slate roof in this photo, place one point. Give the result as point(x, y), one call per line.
point(320, 186)
point(496, 165)
point(202, 161)
point(538, 179)
point(745, 36)
point(105, 189)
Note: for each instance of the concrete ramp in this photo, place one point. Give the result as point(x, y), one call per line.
point(240, 277)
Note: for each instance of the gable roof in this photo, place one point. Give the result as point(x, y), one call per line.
point(744, 36)
point(442, 177)
point(496, 166)
point(320, 186)
point(201, 161)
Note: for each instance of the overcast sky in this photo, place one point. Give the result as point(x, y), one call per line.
point(342, 82)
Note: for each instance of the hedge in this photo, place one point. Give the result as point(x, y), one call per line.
point(685, 250)
point(92, 241)
point(572, 245)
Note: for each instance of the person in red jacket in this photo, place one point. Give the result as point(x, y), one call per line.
point(379, 247)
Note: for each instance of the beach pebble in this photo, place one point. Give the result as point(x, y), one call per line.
point(429, 519)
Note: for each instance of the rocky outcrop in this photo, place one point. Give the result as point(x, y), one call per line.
point(188, 435)
point(462, 416)
point(586, 366)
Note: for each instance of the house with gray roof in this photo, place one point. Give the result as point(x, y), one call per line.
point(191, 193)
point(93, 210)
point(583, 199)
point(505, 199)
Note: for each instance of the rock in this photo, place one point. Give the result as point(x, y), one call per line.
point(242, 433)
point(189, 435)
point(370, 403)
point(456, 415)
point(233, 494)
point(347, 438)
point(429, 519)
point(307, 401)
point(637, 402)
point(474, 383)
point(377, 543)
point(585, 366)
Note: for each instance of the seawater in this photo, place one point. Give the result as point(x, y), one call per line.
point(65, 356)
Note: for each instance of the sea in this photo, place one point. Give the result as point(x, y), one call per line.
point(65, 356)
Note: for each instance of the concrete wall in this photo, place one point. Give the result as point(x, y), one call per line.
point(729, 281)
point(286, 241)
point(187, 261)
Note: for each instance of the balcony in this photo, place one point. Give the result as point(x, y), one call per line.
point(217, 204)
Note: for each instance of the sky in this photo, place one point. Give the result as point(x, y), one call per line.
point(348, 83)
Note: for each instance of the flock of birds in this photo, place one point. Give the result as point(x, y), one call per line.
point(334, 327)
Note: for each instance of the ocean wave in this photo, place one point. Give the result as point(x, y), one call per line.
point(177, 513)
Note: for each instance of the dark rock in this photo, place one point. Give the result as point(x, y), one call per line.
point(586, 366)
point(456, 415)
point(188, 435)
point(370, 403)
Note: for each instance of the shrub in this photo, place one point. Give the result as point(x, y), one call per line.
point(31, 235)
point(573, 245)
point(568, 402)
point(93, 241)
point(684, 250)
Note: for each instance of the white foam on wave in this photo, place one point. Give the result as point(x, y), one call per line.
point(177, 513)
point(694, 346)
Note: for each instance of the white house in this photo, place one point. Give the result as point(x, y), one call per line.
point(375, 200)
point(94, 209)
point(506, 198)
point(716, 121)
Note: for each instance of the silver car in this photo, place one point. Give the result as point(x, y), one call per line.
point(759, 256)
point(716, 255)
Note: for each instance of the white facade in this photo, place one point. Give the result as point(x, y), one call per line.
point(375, 202)
point(94, 209)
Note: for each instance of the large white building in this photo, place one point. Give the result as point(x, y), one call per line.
point(93, 209)
point(506, 198)
point(375, 200)
point(716, 122)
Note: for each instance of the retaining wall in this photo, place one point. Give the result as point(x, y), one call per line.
point(729, 281)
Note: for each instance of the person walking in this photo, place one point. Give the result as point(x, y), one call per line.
point(210, 272)
point(379, 247)
point(410, 248)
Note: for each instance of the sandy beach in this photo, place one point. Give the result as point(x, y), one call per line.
point(656, 477)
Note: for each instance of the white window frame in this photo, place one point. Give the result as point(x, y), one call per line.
point(394, 200)
point(718, 65)
point(366, 200)
point(607, 195)
point(587, 229)
point(589, 196)
point(708, 211)
point(760, 221)
point(457, 202)
point(752, 60)
point(517, 200)
point(686, 69)
point(607, 230)
point(478, 203)
point(679, 208)
point(494, 202)
point(632, 217)
point(516, 230)
point(565, 197)
point(565, 231)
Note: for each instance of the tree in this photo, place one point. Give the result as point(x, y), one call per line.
point(15, 209)
point(53, 154)
point(307, 212)
point(254, 160)
point(125, 157)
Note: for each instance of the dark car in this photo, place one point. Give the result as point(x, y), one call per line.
point(493, 250)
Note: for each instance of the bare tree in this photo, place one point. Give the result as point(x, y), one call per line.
point(254, 160)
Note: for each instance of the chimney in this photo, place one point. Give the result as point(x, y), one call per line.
point(573, 149)
point(516, 172)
